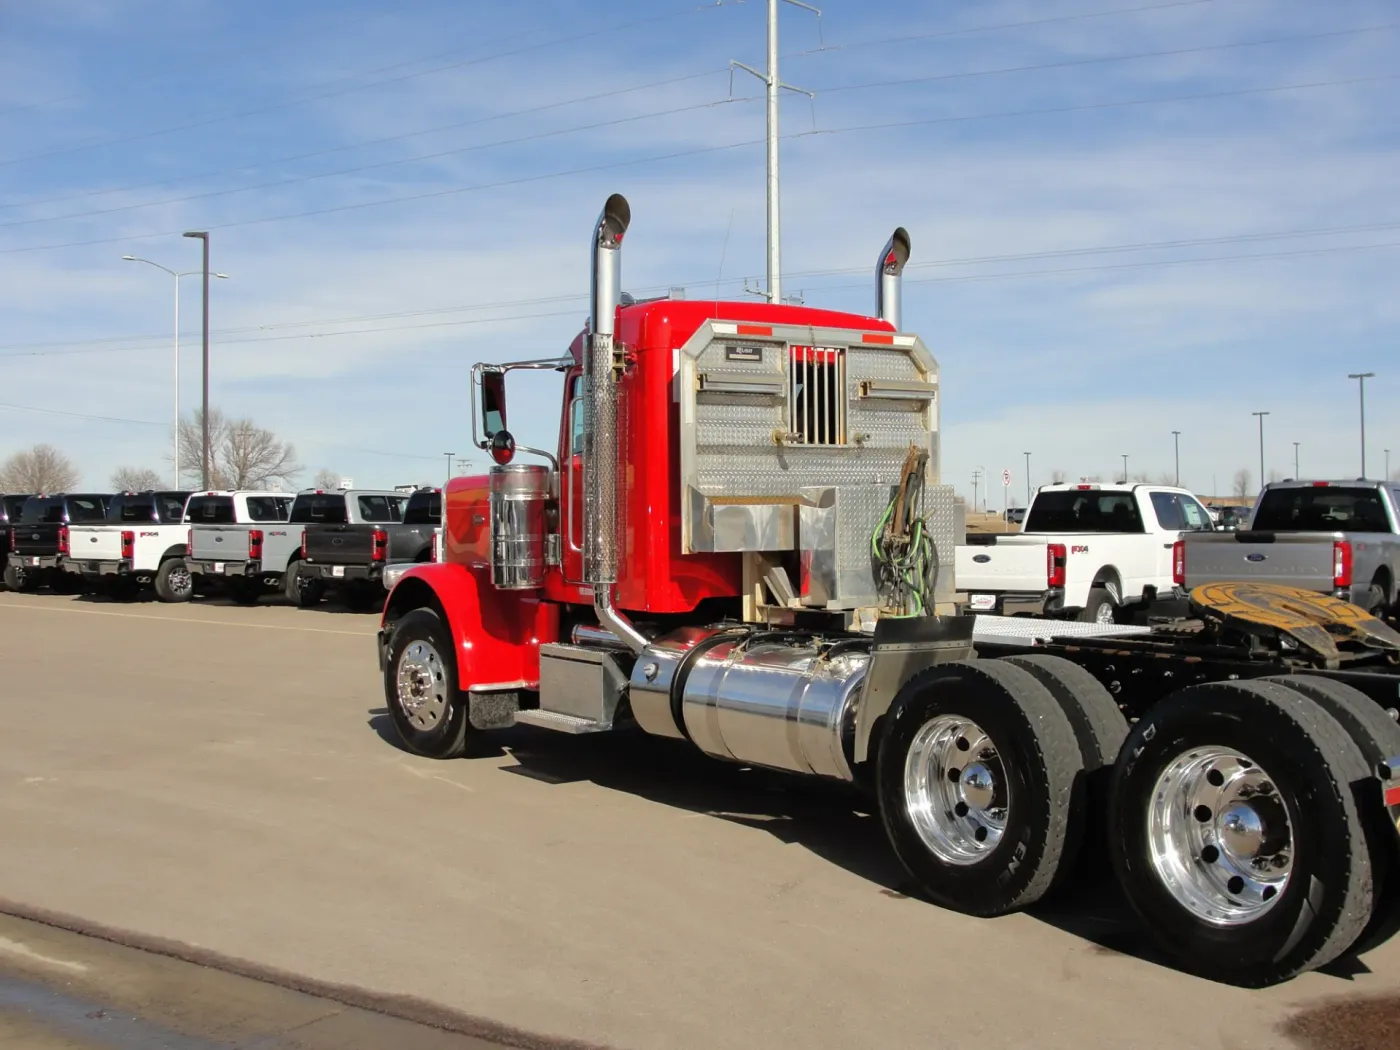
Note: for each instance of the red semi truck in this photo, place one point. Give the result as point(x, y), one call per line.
point(740, 540)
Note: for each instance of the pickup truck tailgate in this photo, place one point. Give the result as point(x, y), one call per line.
point(37, 539)
point(340, 544)
point(95, 543)
point(1017, 566)
point(1294, 559)
point(219, 543)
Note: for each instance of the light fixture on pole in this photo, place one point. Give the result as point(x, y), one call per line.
point(1176, 445)
point(1361, 378)
point(203, 235)
point(175, 470)
point(1261, 416)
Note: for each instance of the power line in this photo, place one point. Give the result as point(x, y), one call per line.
point(601, 95)
point(478, 147)
point(704, 150)
point(208, 121)
point(27, 349)
point(80, 415)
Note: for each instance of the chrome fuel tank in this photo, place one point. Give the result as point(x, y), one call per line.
point(776, 704)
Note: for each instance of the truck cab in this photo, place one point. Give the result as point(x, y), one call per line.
point(39, 541)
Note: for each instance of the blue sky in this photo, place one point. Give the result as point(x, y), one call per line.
point(1129, 217)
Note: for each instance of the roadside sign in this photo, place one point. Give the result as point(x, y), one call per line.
point(1006, 478)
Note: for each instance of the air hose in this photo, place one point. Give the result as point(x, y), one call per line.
point(901, 548)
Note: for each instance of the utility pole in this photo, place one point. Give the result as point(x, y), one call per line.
point(204, 454)
point(1296, 472)
point(1361, 377)
point(1176, 444)
point(449, 456)
point(1028, 478)
point(976, 480)
point(1261, 416)
point(774, 86)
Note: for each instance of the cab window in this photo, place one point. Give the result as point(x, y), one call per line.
point(576, 417)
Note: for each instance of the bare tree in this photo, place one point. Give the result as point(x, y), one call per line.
point(1275, 475)
point(40, 469)
point(135, 479)
point(242, 455)
point(1166, 477)
point(327, 479)
point(1142, 477)
point(1243, 480)
point(1057, 476)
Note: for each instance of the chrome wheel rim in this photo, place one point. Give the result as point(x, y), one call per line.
point(180, 580)
point(955, 790)
point(1104, 613)
point(421, 685)
point(1220, 836)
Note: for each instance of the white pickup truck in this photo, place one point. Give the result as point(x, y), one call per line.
point(1085, 551)
point(141, 543)
point(241, 540)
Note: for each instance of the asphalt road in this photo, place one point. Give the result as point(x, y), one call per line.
point(220, 785)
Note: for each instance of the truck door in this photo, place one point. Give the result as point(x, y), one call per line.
point(571, 488)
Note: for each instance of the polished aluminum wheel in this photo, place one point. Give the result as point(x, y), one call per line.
point(180, 580)
point(1220, 835)
point(1104, 613)
point(421, 685)
point(955, 790)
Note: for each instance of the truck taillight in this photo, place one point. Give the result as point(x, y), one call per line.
point(12, 539)
point(1179, 563)
point(1341, 564)
point(63, 539)
point(381, 545)
point(255, 540)
point(189, 543)
point(128, 545)
point(437, 552)
point(1055, 555)
point(303, 544)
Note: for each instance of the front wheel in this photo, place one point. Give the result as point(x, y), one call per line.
point(978, 777)
point(174, 583)
point(420, 687)
point(1235, 835)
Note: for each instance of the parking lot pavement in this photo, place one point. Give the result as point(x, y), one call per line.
point(224, 779)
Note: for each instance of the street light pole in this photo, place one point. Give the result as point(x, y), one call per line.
point(175, 466)
point(1361, 378)
point(1176, 445)
point(449, 456)
point(1028, 478)
point(1125, 468)
point(1261, 416)
point(203, 235)
point(1296, 472)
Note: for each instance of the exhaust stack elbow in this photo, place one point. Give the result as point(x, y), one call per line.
point(608, 232)
point(888, 277)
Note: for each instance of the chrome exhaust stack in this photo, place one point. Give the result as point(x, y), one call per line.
point(601, 365)
point(888, 274)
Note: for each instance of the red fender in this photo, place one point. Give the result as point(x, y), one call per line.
point(496, 634)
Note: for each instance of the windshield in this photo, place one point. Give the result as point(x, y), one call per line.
point(210, 510)
point(269, 508)
point(320, 508)
point(86, 508)
point(1321, 509)
point(1078, 510)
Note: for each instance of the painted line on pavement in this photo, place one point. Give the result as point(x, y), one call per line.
point(183, 619)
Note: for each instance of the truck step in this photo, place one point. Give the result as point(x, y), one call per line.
point(560, 723)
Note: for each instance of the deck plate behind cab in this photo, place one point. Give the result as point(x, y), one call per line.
point(1316, 621)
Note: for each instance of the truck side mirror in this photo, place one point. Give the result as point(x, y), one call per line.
point(493, 402)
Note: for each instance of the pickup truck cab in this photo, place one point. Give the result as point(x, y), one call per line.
point(240, 541)
point(1085, 551)
point(141, 544)
point(39, 540)
point(1335, 537)
point(349, 537)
